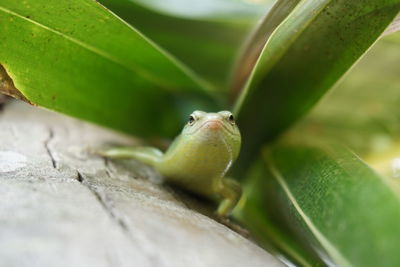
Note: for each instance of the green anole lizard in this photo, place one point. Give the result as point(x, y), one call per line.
point(198, 158)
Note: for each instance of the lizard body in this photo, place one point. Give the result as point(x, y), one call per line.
point(198, 159)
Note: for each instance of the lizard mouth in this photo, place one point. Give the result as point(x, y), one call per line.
point(214, 126)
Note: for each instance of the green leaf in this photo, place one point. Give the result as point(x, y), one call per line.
point(333, 202)
point(362, 111)
point(255, 44)
point(308, 52)
point(208, 44)
point(257, 211)
point(77, 58)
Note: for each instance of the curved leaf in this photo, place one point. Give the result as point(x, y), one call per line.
point(259, 214)
point(335, 203)
point(308, 52)
point(255, 44)
point(78, 58)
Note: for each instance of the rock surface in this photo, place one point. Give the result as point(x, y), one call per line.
point(61, 206)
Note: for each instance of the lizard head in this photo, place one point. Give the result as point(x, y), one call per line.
point(214, 128)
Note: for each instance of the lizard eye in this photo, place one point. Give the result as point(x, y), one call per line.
point(231, 119)
point(191, 120)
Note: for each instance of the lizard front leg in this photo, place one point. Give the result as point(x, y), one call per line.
point(147, 155)
point(230, 191)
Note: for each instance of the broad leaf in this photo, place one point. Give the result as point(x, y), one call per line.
point(78, 58)
point(335, 203)
point(308, 52)
point(258, 212)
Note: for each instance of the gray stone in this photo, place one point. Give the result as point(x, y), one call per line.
point(62, 206)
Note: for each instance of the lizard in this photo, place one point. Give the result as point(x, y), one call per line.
point(198, 159)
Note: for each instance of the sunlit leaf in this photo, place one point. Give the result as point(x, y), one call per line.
point(77, 58)
point(313, 47)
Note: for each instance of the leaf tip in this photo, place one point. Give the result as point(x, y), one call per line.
point(7, 86)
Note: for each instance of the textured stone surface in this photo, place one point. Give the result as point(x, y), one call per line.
point(61, 206)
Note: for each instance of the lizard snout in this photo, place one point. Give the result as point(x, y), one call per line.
point(213, 125)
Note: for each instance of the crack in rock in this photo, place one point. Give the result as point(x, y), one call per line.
point(107, 167)
point(109, 209)
point(47, 146)
point(103, 202)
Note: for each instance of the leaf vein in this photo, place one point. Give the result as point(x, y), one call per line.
point(331, 249)
point(95, 50)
